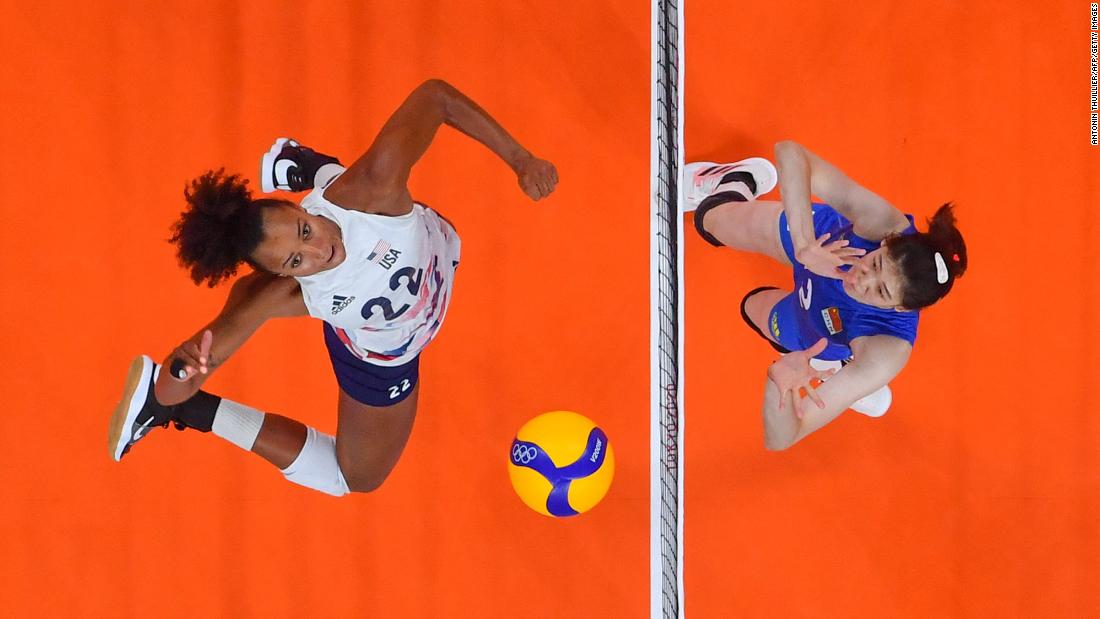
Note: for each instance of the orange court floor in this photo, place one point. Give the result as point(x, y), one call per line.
point(975, 496)
point(113, 106)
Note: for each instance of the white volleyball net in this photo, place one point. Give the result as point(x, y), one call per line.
point(666, 315)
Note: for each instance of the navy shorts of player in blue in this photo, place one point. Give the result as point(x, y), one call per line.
point(373, 385)
point(820, 308)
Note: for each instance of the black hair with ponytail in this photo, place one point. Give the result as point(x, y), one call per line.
point(221, 227)
point(915, 255)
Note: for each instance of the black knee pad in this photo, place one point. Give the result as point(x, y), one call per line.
point(748, 321)
point(709, 203)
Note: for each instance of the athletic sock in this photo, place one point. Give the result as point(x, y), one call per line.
point(237, 423)
point(198, 411)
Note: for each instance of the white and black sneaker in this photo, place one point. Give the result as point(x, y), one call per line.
point(289, 166)
point(752, 178)
point(138, 412)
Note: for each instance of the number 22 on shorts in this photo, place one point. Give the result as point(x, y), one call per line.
point(397, 390)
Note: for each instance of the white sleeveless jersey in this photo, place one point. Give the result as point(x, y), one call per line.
point(387, 299)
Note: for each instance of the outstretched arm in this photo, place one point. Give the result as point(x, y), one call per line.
point(377, 181)
point(252, 300)
point(801, 173)
point(876, 360)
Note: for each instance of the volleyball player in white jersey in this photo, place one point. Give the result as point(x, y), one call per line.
point(361, 255)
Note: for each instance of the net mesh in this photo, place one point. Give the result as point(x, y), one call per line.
point(667, 251)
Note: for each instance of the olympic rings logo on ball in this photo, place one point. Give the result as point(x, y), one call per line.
point(523, 454)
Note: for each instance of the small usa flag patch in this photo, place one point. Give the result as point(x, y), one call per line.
point(831, 316)
point(379, 250)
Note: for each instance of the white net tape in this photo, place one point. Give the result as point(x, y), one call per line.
point(666, 523)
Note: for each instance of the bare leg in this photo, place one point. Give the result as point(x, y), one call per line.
point(370, 439)
point(748, 226)
point(759, 307)
point(280, 440)
point(368, 444)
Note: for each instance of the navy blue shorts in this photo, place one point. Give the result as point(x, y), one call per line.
point(373, 385)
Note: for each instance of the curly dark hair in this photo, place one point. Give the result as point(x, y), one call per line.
point(915, 255)
point(220, 228)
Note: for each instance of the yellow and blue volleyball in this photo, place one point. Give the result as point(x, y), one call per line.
point(561, 464)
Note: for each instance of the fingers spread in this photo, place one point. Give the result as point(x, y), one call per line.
point(813, 396)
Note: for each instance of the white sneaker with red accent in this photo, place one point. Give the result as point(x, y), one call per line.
point(752, 177)
point(874, 405)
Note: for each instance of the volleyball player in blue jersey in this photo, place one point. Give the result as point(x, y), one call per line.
point(862, 273)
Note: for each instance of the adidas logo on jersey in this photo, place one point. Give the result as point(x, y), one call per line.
point(339, 303)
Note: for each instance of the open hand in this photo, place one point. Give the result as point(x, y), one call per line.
point(826, 259)
point(195, 357)
point(537, 177)
point(793, 373)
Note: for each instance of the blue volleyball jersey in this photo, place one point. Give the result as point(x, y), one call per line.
point(819, 306)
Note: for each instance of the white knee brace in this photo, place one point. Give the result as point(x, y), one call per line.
point(316, 466)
